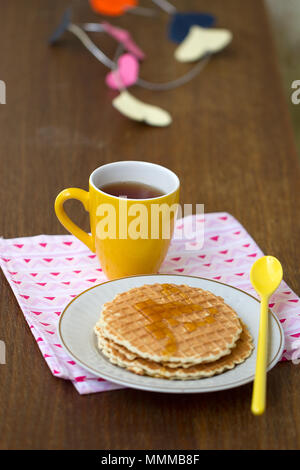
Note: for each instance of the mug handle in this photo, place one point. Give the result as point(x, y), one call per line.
point(83, 197)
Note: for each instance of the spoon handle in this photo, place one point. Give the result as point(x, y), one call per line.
point(259, 388)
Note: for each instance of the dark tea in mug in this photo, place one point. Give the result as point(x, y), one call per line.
point(131, 190)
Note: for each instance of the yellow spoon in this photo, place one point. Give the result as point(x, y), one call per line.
point(265, 276)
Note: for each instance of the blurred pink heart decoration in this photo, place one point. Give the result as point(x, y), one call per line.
point(124, 37)
point(125, 75)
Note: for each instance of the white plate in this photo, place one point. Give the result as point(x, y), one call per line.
point(79, 317)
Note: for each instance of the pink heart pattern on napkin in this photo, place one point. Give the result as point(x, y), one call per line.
point(46, 272)
point(125, 75)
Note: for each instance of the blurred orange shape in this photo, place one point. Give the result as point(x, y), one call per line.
point(112, 7)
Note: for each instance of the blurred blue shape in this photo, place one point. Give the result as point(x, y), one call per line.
point(62, 27)
point(180, 24)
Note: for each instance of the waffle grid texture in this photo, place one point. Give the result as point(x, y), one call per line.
point(201, 327)
point(118, 355)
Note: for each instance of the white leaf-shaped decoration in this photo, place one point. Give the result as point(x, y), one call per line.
point(202, 41)
point(137, 110)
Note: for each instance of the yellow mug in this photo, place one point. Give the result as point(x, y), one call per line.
point(129, 236)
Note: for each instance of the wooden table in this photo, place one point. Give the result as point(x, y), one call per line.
point(232, 146)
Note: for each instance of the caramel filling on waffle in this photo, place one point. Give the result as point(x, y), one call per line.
point(162, 316)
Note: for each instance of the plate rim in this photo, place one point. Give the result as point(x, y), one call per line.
point(270, 365)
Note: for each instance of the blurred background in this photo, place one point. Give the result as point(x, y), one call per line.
point(285, 20)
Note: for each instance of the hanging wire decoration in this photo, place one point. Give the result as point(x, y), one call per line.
point(124, 67)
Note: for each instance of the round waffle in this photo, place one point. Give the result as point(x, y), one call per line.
point(173, 323)
point(105, 342)
point(118, 355)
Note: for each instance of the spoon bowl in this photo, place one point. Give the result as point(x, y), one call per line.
point(266, 275)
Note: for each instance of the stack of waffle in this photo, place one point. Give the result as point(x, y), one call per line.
point(172, 332)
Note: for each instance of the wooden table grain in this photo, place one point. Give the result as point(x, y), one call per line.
point(232, 146)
